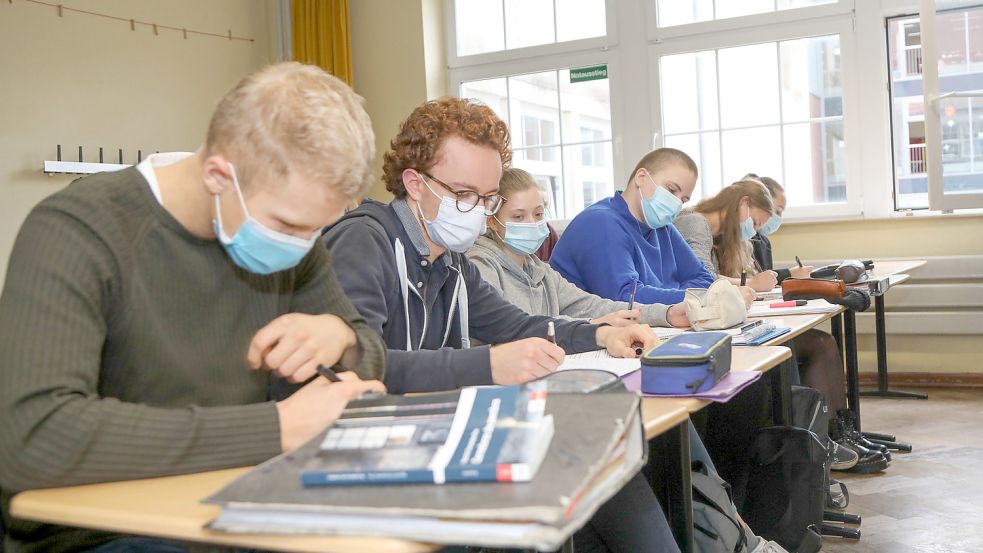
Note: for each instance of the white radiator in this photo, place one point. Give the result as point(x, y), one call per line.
point(943, 297)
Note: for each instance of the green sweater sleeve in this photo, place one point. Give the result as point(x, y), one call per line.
point(57, 427)
point(320, 292)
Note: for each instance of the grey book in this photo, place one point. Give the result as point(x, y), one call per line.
point(598, 445)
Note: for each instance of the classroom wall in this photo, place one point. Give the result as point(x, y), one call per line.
point(395, 80)
point(901, 237)
point(80, 80)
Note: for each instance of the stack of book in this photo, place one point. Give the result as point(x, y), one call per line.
point(488, 466)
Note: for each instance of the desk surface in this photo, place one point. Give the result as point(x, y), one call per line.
point(168, 507)
point(750, 358)
point(887, 268)
point(798, 324)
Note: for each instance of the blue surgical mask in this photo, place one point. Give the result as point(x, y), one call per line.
point(772, 225)
point(661, 208)
point(525, 238)
point(257, 248)
point(747, 227)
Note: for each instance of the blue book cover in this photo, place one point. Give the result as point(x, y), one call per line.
point(491, 434)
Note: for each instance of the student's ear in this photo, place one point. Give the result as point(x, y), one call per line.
point(216, 174)
point(640, 178)
point(413, 183)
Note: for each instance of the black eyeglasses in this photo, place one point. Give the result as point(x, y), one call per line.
point(467, 200)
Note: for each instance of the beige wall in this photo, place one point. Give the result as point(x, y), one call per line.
point(80, 80)
point(398, 60)
point(904, 237)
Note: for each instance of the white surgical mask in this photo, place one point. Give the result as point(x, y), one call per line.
point(452, 229)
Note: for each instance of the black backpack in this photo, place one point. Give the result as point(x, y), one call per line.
point(788, 484)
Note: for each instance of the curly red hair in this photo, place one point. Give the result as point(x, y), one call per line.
point(424, 131)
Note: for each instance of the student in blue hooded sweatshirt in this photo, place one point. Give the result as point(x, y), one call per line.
point(629, 237)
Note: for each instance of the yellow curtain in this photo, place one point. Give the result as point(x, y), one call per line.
point(320, 35)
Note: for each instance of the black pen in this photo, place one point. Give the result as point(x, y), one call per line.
point(631, 300)
point(743, 277)
point(327, 373)
point(551, 332)
point(799, 261)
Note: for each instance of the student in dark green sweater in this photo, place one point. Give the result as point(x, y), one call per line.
point(145, 311)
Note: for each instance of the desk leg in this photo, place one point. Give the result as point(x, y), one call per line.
point(836, 329)
point(852, 372)
point(781, 391)
point(882, 381)
point(680, 488)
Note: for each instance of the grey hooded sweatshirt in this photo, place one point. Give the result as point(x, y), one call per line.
point(539, 290)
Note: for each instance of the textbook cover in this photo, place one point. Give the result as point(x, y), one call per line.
point(490, 434)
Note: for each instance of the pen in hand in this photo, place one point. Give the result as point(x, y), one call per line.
point(327, 373)
point(743, 277)
point(631, 300)
point(551, 332)
point(799, 261)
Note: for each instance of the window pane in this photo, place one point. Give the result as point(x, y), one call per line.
point(529, 23)
point(535, 115)
point(751, 151)
point(492, 92)
point(704, 148)
point(680, 12)
point(585, 184)
point(811, 84)
point(478, 26)
point(732, 8)
point(576, 19)
point(961, 119)
point(748, 85)
point(544, 164)
point(584, 104)
point(689, 92)
point(815, 163)
point(962, 142)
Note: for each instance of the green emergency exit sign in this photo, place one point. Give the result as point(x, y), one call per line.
point(593, 73)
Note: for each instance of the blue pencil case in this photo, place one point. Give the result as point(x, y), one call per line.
point(687, 363)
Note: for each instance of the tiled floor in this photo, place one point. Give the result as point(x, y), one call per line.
point(930, 500)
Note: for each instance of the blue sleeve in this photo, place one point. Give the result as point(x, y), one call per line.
point(692, 273)
point(597, 254)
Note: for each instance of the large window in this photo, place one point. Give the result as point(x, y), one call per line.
point(773, 108)
point(960, 66)
point(792, 89)
point(561, 131)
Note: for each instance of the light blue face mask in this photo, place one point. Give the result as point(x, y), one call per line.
point(257, 248)
point(772, 225)
point(747, 227)
point(525, 238)
point(661, 208)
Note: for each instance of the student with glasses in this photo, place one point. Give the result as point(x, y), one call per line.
point(403, 265)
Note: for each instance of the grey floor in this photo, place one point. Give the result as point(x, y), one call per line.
point(930, 500)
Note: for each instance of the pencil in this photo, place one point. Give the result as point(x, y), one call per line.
point(799, 261)
point(631, 300)
point(743, 277)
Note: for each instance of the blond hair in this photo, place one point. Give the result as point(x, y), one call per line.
point(291, 117)
point(664, 157)
point(733, 253)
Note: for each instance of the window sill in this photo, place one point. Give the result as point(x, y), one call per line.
point(892, 216)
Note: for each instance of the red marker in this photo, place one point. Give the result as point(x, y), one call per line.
point(790, 303)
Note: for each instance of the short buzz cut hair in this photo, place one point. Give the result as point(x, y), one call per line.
point(664, 157)
point(295, 118)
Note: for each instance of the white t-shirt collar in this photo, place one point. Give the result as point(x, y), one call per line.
point(146, 168)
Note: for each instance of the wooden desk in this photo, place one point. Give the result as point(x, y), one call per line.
point(169, 508)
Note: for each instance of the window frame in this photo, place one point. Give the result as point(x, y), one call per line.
point(633, 39)
point(762, 32)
